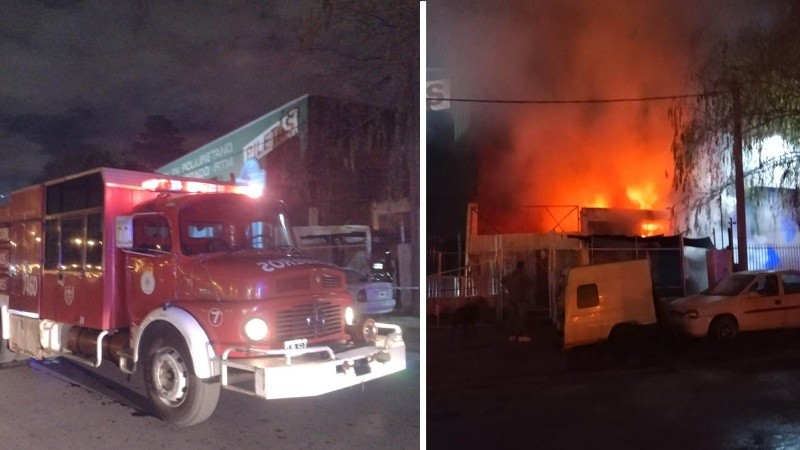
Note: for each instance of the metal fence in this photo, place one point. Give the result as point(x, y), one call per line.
point(773, 257)
point(447, 290)
point(445, 286)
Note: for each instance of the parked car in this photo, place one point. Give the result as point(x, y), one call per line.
point(370, 296)
point(741, 301)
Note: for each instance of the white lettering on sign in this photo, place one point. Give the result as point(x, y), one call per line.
point(198, 166)
point(30, 284)
point(222, 165)
point(277, 264)
point(203, 172)
point(276, 134)
point(215, 317)
point(437, 91)
point(147, 282)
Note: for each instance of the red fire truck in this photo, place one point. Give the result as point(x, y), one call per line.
point(197, 282)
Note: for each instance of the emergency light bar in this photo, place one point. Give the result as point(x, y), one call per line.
point(198, 187)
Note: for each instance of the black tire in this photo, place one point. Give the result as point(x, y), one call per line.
point(178, 396)
point(624, 335)
point(724, 329)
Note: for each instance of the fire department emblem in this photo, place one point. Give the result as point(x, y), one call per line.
point(147, 282)
point(316, 322)
point(215, 317)
point(69, 294)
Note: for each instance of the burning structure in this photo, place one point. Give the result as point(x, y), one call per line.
point(679, 265)
point(546, 171)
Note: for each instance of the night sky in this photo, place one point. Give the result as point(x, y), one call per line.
point(78, 74)
point(585, 155)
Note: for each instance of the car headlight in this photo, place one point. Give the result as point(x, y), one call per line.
point(691, 314)
point(256, 329)
point(349, 315)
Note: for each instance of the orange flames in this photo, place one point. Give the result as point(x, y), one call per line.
point(619, 160)
point(645, 197)
point(652, 228)
point(600, 201)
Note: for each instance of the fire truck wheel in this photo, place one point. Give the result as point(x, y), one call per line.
point(176, 393)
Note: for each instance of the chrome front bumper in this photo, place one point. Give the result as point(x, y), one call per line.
point(312, 371)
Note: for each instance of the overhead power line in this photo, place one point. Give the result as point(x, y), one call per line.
point(574, 101)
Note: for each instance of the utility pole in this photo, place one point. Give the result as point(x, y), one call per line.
point(741, 217)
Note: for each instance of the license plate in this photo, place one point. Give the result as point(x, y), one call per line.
point(295, 344)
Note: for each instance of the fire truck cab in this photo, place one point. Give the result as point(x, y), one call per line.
point(198, 282)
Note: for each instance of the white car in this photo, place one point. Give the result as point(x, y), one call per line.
point(369, 297)
point(741, 301)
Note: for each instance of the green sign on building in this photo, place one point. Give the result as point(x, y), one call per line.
point(241, 154)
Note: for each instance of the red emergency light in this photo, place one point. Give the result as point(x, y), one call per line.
point(198, 187)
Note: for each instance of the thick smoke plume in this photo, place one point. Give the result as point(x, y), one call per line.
point(588, 155)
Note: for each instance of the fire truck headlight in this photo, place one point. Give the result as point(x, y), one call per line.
point(364, 331)
point(349, 315)
point(256, 329)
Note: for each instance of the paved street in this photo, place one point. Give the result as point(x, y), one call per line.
point(666, 393)
point(59, 405)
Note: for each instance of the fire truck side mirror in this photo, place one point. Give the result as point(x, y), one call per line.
point(124, 234)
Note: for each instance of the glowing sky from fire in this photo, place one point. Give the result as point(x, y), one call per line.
point(596, 155)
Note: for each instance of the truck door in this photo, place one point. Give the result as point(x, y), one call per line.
point(149, 266)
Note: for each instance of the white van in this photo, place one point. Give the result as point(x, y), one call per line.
point(604, 299)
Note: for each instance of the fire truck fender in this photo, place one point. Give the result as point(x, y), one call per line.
point(206, 365)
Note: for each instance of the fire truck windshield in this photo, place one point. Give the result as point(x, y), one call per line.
point(220, 223)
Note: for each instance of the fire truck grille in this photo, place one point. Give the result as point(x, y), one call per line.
point(331, 281)
point(309, 321)
point(298, 283)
